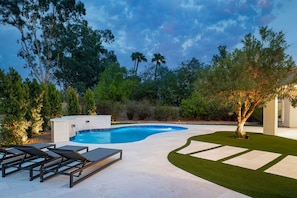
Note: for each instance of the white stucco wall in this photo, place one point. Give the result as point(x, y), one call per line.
point(290, 115)
point(270, 117)
point(65, 127)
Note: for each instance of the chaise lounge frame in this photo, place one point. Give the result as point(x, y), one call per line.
point(74, 164)
point(9, 154)
point(35, 158)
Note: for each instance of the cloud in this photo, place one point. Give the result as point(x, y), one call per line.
point(172, 27)
point(183, 29)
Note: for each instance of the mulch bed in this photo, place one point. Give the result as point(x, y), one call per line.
point(44, 137)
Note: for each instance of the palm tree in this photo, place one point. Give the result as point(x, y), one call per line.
point(158, 59)
point(137, 57)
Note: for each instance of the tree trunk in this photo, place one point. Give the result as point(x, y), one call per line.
point(240, 133)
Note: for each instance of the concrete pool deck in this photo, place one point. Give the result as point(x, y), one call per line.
point(144, 171)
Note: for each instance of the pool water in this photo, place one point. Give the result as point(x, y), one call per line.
point(121, 134)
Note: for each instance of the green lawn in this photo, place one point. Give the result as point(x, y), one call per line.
point(255, 183)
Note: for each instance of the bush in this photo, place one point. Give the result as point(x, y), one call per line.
point(130, 109)
point(89, 102)
point(217, 112)
point(34, 116)
point(73, 107)
point(144, 110)
point(116, 111)
point(14, 106)
point(164, 113)
point(107, 107)
point(104, 107)
point(194, 107)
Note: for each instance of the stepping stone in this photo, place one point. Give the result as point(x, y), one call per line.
point(253, 160)
point(219, 153)
point(286, 167)
point(196, 146)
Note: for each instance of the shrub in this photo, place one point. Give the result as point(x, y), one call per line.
point(104, 107)
point(73, 107)
point(144, 110)
point(89, 102)
point(45, 110)
point(130, 109)
point(194, 107)
point(55, 101)
point(36, 95)
point(164, 113)
point(14, 106)
point(107, 107)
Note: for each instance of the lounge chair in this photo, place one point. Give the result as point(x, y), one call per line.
point(34, 159)
point(95, 160)
point(8, 154)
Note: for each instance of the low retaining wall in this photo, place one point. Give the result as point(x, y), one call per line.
point(65, 127)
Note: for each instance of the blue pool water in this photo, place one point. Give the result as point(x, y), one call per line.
point(121, 134)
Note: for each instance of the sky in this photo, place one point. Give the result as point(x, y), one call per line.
point(178, 29)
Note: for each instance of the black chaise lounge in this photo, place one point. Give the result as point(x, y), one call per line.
point(94, 160)
point(9, 154)
point(34, 159)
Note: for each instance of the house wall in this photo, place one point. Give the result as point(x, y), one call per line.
point(270, 117)
point(290, 115)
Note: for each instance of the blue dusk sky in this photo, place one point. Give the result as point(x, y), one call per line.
point(178, 29)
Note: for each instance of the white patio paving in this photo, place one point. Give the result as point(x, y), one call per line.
point(253, 160)
point(143, 172)
point(197, 146)
point(286, 167)
point(219, 153)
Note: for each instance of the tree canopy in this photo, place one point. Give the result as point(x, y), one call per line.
point(114, 84)
point(14, 104)
point(137, 57)
point(158, 59)
point(41, 24)
point(82, 56)
point(250, 76)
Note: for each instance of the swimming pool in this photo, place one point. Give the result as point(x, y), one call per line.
point(121, 134)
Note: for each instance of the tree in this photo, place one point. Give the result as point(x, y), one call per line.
point(55, 101)
point(45, 110)
point(178, 84)
point(171, 86)
point(137, 57)
point(89, 100)
point(194, 107)
point(14, 105)
point(82, 56)
point(249, 77)
point(73, 107)
point(36, 95)
point(158, 59)
point(186, 76)
point(41, 24)
point(114, 84)
point(146, 90)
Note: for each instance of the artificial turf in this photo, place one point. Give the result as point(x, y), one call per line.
point(254, 183)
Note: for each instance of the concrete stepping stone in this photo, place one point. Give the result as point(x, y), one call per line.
point(253, 160)
point(286, 167)
point(219, 153)
point(196, 146)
